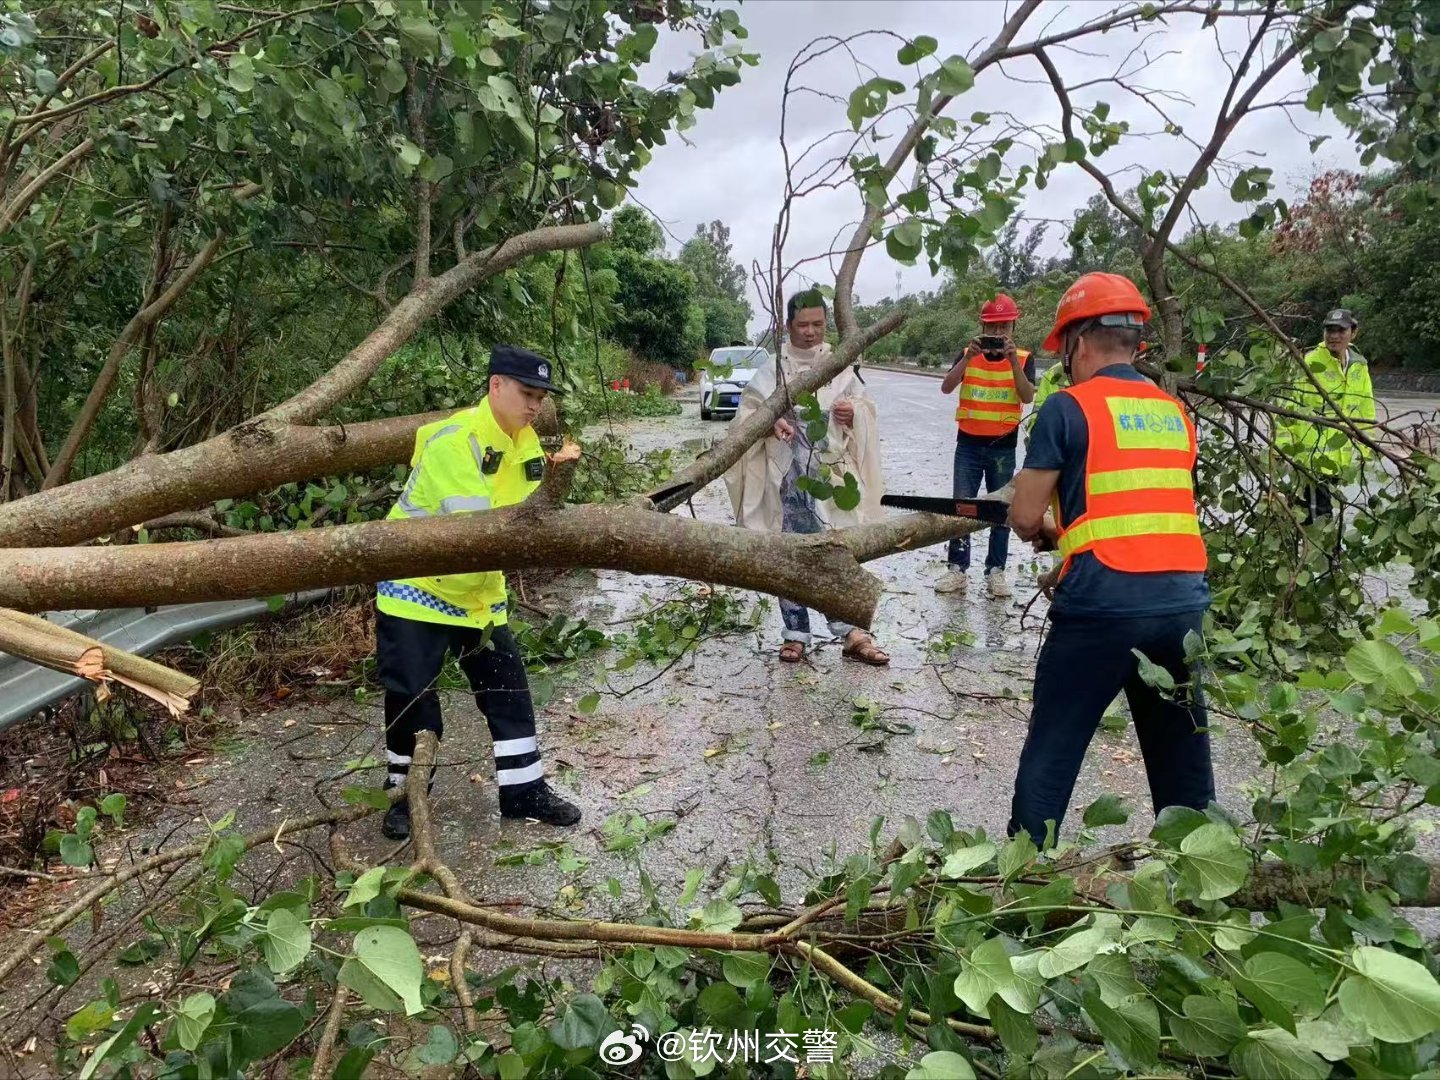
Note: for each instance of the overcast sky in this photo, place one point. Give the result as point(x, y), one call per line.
point(729, 165)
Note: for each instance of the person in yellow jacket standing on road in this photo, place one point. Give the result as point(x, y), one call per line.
point(480, 459)
point(996, 382)
point(1327, 454)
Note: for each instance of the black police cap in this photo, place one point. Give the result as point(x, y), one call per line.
point(524, 366)
point(1341, 317)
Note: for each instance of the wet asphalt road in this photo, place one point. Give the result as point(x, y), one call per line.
point(752, 760)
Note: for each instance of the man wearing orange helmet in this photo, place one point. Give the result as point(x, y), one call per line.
point(1113, 455)
point(996, 381)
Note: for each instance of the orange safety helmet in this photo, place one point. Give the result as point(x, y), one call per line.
point(1094, 296)
point(1001, 309)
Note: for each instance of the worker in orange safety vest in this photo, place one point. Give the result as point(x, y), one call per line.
point(1108, 481)
point(996, 381)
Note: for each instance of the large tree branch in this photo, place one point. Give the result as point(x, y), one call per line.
point(855, 250)
point(253, 456)
point(426, 300)
point(17, 206)
point(815, 570)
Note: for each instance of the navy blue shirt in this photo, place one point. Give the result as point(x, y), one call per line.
point(1060, 440)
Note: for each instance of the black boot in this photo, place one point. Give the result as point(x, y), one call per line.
point(537, 802)
point(397, 819)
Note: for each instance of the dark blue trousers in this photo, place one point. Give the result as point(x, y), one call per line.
point(995, 467)
point(1083, 664)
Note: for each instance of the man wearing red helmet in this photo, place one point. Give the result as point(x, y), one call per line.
point(996, 381)
point(1114, 456)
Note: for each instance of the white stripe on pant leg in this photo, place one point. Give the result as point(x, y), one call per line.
point(509, 777)
point(514, 747)
point(396, 759)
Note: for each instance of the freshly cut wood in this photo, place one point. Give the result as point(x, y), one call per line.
point(62, 649)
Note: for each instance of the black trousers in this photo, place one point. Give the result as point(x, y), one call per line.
point(1083, 664)
point(1317, 501)
point(409, 655)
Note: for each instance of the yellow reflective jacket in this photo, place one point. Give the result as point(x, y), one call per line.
point(1052, 379)
point(461, 464)
point(1326, 449)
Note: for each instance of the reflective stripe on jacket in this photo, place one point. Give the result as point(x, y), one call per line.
point(448, 475)
point(989, 401)
point(1326, 449)
point(1139, 489)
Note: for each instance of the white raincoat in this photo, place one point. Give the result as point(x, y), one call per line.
point(754, 481)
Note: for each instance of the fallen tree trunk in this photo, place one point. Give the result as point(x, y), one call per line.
point(823, 570)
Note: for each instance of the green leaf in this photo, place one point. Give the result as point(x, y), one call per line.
point(1271, 1052)
point(366, 887)
point(1016, 1029)
point(1080, 948)
point(942, 1065)
point(64, 968)
point(1287, 980)
point(956, 76)
point(718, 916)
point(1016, 855)
point(1175, 823)
point(420, 34)
point(511, 1066)
point(587, 704)
point(962, 862)
point(113, 806)
point(144, 1016)
point(1113, 977)
point(1152, 674)
point(1371, 662)
point(410, 154)
point(745, 969)
point(192, 1018)
point(393, 77)
point(1131, 1030)
point(440, 1046)
point(287, 941)
point(1209, 1027)
point(75, 851)
point(389, 956)
point(1394, 998)
point(583, 1024)
point(914, 51)
point(1106, 810)
point(1213, 864)
point(984, 973)
point(242, 72)
point(95, 1016)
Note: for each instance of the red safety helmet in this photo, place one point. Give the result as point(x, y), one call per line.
point(1111, 298)
point(1001, 309)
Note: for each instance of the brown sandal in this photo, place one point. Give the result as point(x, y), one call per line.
point(791, 652)
point(865, 651)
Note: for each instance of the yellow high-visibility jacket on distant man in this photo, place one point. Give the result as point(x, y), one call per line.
point(1326, 450)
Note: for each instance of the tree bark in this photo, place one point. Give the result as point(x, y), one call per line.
point(251, 457)
point(820, 571)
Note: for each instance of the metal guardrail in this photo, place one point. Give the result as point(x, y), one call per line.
point(26, 688)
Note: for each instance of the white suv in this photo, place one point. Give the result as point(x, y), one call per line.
point(722, 382)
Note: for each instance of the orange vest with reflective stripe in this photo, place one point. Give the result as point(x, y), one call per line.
point(989, 402)
point(1139, 489)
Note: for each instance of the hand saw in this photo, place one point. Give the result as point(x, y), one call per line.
point(992, 510)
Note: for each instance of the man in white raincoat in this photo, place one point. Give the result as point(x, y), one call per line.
point(763, 488)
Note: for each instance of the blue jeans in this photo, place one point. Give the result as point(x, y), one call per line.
point(975, 462)
point(798, 509)
point(1084, 663)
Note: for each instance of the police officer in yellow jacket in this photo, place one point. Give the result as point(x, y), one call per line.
point(480, 459)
